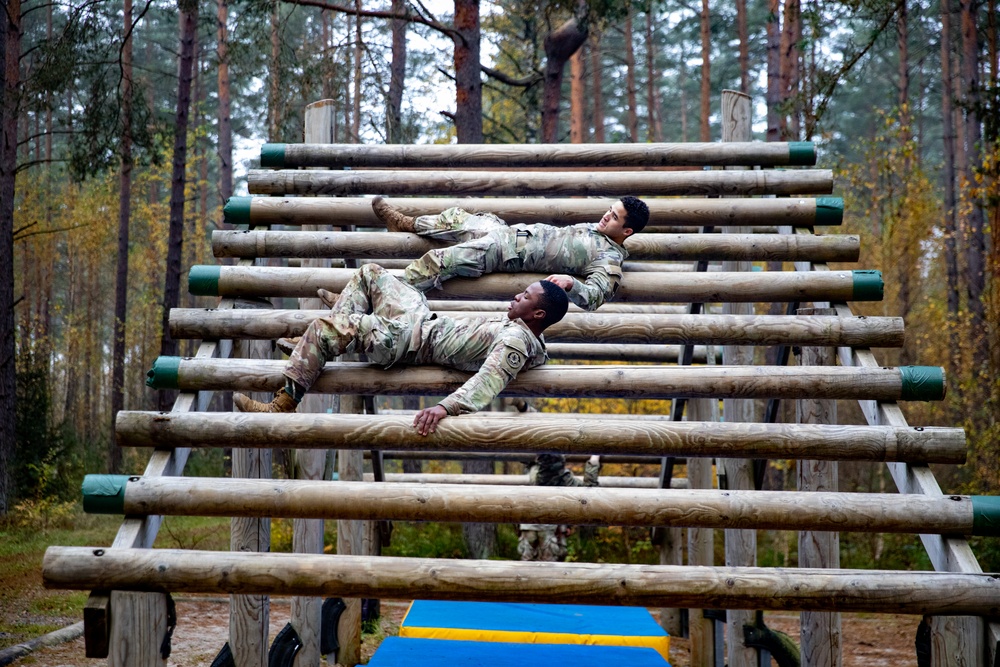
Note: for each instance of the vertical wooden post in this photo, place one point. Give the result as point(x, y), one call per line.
point(249, 615)
point(741, 545)
point(820, 631)
point(307, 534)
point(350, 542)
point(672, 553)
point(701, 541)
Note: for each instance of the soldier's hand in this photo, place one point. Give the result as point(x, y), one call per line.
point(427, 419)
point(561, 279)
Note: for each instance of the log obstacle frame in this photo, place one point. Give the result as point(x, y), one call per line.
point(963, 640)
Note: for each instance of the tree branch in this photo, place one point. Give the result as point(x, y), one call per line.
point(368, 13)
point(524, 82)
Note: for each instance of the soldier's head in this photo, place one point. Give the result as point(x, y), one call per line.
point(625, 217)
point(544, 303)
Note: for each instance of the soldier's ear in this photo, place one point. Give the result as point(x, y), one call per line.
point(627, 231)
point(539, 313)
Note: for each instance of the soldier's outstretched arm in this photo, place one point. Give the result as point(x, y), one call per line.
point(426, 420)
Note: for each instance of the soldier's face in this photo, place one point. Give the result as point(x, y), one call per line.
point(526, 303)
point(612, 224)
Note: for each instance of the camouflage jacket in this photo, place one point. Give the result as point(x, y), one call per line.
point(496, 348)
point(579, 250)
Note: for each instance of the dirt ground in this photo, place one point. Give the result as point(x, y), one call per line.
point(203, 625)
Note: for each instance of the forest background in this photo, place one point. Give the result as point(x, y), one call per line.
point(123, 125)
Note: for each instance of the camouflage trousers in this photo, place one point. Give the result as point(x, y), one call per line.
point(541, 542)
point(485, 245)
point(375, 314)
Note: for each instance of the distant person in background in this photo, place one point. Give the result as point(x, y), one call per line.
point(486, 244)
point(538, 541)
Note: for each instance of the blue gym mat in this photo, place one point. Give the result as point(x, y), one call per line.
point(413, 652)
point(526, 623)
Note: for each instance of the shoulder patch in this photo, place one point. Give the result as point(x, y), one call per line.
point(514, 355)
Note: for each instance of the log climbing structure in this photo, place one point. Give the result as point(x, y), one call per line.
point(691, 308)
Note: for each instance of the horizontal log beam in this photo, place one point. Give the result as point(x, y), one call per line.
point(795, 211)
point(656, 354)
point(463, 503)
point(541, 184)
point(607, 481)
point(589, 328)
point(538, 433)
point(514, 156)
point(657, 247)
point(222, 573)
point(732, 287)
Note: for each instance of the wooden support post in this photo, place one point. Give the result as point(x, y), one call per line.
point(249, 615)
point(820, 631)
point(350, 541)
point(741, 545)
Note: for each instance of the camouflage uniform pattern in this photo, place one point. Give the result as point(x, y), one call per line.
point(546, 542)
point(388, 320)
point(487, 245)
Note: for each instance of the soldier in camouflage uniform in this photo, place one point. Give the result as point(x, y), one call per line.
point(389, 321)
point(487, 245)
point(538, 541)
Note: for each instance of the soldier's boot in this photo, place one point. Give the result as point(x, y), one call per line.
point(288, 345)
point(281, 402)
point(393, 219)
point(327, 297)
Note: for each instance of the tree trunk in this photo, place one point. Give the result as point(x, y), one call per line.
point(356, 127)
point(632, 116)
point(975, 254)
point(225, 122)
point(11, 53)
point(577, 97)
point(124, 215)
point(773, 71)
point(787, 66)
point(397, 75)
point(706, 71)
point(468, 84)
point(655, 132)
point(744, 36)
point(560, 45)
point(274, 114)
point(171, 290)
point(597, 87)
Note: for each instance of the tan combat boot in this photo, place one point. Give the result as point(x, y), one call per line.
point(282, 402)
point(327, 297)
point(288, 345)
point(393, 219)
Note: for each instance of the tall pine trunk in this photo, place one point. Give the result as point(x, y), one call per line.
point(787, 70)
point(560, 45)
point(706, 71)
point(773, 96)
point(171, 290)
point(468, 84)
point(655, 113)
point(597, 87)
point(397, 76)
point(744, 36)
point(356, 126)
point(948, 175)
point(577, 97)
point(225, 121)
point(11, 53)
point(274, 114)
point(632, 116)
point(124, 215)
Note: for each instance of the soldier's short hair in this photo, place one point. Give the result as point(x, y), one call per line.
point(636, 213)
point(554, 302)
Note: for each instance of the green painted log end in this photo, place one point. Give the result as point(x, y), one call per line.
point(163, 374)
point(272, 156)
point(986, 515)
point(237, 210)
point(868, 285)
point(802, 153)
point(829, 211)
point(203, 280)
point(104, 494)
point(922, 383)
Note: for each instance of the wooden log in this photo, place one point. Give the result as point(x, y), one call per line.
point(540, 184)
point(514, 156)
point(606, 309)
point(643, 246)
point(758, 510)
point(205, 280)
point(656, 354)
point(191, 571)
point(543, 433)
point(795, 211)
point(607, 481)
point(551, 380)
point(590, 328)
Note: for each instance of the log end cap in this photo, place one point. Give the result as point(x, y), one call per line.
point(104, 494)
point(868, 285)
point(272, 156)
point(163, 374)
point(802, 153)
point(986, 515)
point(829, 211)
point(203, 280)
point(237, 211)
point(922, 383)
